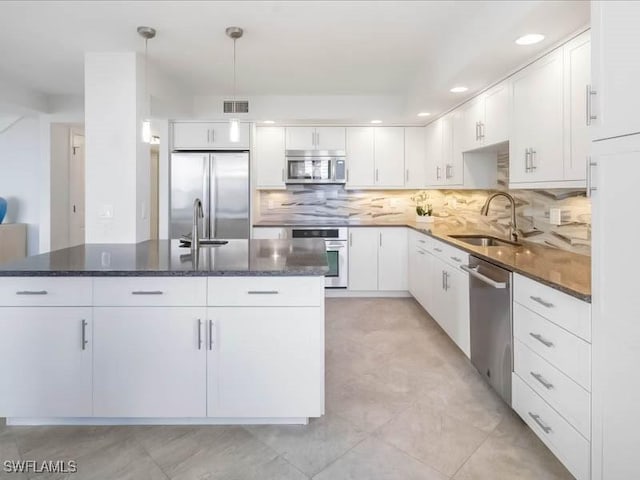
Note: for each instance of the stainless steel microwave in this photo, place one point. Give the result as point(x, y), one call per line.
point(316, 166)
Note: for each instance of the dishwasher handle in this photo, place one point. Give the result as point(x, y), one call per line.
point(473, 271)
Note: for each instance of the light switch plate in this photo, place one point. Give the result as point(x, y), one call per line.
point(106, 211)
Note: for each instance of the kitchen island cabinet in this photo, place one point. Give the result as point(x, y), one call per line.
point(151, 333)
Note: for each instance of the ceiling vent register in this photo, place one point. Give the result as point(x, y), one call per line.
point(240, 106)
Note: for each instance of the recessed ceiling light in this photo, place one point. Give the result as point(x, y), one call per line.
point(458, 89)
point(424, 114)
point(269, 122)
point(376, 121)
point(530, 39)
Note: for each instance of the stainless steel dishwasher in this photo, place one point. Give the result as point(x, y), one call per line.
point(491, 323)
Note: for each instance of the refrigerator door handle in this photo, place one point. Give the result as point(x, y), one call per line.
point(211, 195)
point(205, 200)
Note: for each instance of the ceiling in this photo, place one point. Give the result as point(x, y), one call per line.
point(413, 48)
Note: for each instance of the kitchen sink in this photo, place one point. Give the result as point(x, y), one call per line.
point(485, 241)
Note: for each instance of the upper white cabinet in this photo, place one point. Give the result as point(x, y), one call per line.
point(483, 121)
point(208, 136)
point(577, 64)
point(415, 163)
point(378, 259)
point(433, 139)
point(269, 157)
point(615, 97)
point(375, 157)
point(444, 166)
point(315, 138)
point(536, 147)
point(389, 156)
point(549, 136)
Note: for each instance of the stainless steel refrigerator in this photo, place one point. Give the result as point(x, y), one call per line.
point(221, 181)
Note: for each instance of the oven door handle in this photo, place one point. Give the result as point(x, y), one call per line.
point(473, 271)
point(333, 245)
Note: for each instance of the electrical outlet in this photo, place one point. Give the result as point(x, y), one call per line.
point(106, 211)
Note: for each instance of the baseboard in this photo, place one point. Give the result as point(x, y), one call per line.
point(157, 421)
point(335, 293)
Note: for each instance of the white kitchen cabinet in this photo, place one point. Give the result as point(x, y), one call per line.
point(577, 78)
point(452, 166)
point(418, 267)
point(468, 124)
point(378, 259)
point(497, 114)
point(208, 136)
point(363, 259)
point(415, 158)
point(536, 146)
point(149, 362)
point(45, 361)
point(389, 156)
point(616, 71)
point(433, 134)
point(360, 160)
point(283, 375)
point(616, 307)
point(315, 138)
point(269, 158)
point(268, 233)
point(392, 259)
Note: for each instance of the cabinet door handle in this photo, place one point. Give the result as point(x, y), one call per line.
point(199, 334)
point(213, 135)
point(32, 292)
point(541, 302)
point(590, 187)
point(377, 177)
point(527, 154)
point(147, 292)
point(481, 130)
point(282, 170)
point(541, 339)
point(84, 334)
point(456, 259)
point(380, 235)
point(263, 292)
point(437, 173)
point(439, 250)
point(588, 105)
point(536, 418)
point(533, 159)
point(210, 334)
point(446, 281)
point(448, 171)
point(208, 136)
point(476, 131)
point(407, 175)
point(351, 239)
point(541, 379)
point(443, 284)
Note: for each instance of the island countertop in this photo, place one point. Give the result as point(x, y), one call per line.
point(288, 257)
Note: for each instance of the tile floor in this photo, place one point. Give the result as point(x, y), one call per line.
point(402, 403)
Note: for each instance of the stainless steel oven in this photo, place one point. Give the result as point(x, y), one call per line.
point(316, 166)
point(336, 241)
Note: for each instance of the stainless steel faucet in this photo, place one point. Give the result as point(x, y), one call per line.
point(514, 233)
point(198, 213)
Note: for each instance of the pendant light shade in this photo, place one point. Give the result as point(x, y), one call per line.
point(234, 126)
point(147, 33)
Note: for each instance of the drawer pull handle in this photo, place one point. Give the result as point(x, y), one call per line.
point(541, 302)
point(147, 292)
point(437, 249)
point(263, 292)
point(32, 292)
point(422, 241)
point(199, 334)
point(541, 379)
point(536, 418)
point(456, 259)
point(541, 339)
point(210, 334)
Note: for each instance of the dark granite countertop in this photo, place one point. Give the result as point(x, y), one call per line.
point(290, 257)
point(565, 271)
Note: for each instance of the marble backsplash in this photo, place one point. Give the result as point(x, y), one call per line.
point(459, 208)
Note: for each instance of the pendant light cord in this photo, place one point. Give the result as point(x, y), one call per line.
point(146, 79)
point(234, 75)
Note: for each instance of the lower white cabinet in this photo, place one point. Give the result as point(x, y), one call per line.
point(378, 259)
point(283, 374)
point(149, 362)
point(45, 361)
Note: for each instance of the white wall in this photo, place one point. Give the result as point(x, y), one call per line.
point(20, 176)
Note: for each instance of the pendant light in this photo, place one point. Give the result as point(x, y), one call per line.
point(234, 127)
point(147, 33)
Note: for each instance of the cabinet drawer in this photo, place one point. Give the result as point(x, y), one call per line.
point(568, 353)
point(563, 440)
point(150, 291)
point(421, 240)
point(570, 400)
point(567, 311)
point(45, 291)
point(265, 291)
point(449, 254)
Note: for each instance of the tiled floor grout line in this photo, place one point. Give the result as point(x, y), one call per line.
point(367, 436)
point(476, 450)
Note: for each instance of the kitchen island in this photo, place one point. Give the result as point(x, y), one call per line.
point(153, 333)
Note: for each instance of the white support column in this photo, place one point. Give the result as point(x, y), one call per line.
point(117, 161)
